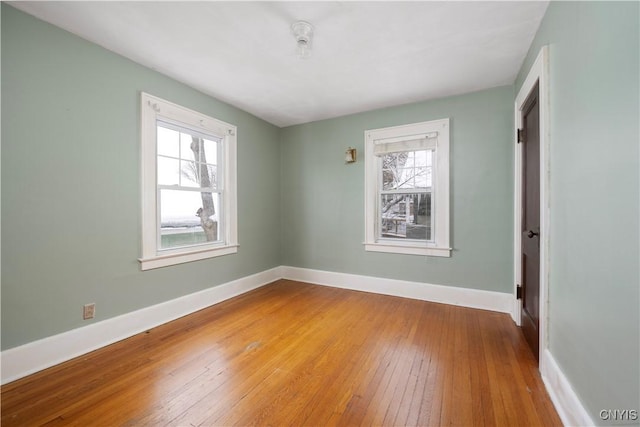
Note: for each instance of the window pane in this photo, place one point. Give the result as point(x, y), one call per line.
point(406, 216)
point(423, 158)
point(188, 218)
point(423, 177)
point(187, 146)
point(212, 171)
point(406, 178)
point(190, 173)
point(388, 179)
point(392, 165)
point(211, 151)
point(168, 142)
point(424, 168)
point(406, 170)
point(168, 171)
point(199, 149)
point(198, 175)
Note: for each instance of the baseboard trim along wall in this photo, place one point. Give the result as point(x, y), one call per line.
point(24, 360)
point(567, 403)
point(465, 297)
point(35, 356)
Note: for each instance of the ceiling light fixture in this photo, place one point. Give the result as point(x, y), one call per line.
point(303, 32)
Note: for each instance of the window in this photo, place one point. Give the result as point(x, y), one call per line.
point(407, 189)
point(188, 185)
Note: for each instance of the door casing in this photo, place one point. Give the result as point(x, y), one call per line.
point(539, 72)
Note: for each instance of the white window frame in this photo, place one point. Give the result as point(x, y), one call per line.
point(152, 110)
point(439, 246)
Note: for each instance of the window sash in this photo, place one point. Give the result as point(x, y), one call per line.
point(380, 218)
point(187, 130)
point(411, 175)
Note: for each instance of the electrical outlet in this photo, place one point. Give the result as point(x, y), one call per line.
point(89, 311)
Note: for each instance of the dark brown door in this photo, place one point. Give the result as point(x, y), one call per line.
point(531, 220)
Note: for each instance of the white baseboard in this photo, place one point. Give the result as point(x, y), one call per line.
point(567, 403)
point(21, 361)
point(35, 356)
point(473, 298)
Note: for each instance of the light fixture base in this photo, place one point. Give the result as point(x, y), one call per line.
point(350, 155)
point(303, 32)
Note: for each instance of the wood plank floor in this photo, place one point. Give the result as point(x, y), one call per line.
point(297, 354)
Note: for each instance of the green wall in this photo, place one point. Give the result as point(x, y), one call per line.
point(594, 328)
point(71, 186)
point(323, 198)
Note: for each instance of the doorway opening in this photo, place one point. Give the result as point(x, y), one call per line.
point(531, 206)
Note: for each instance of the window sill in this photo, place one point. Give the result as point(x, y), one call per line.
point(408, 249)
point(182, 257)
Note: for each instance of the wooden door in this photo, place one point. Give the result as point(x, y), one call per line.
point(531, 220)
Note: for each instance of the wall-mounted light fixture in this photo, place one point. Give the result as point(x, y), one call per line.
point(350, 155)
point(303, 32)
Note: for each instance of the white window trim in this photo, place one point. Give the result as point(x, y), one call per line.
point(153, 108)
point(440, 246)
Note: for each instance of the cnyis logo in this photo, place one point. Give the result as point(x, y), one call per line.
point(619, 415)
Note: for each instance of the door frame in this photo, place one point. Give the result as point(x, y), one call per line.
point(539, 72)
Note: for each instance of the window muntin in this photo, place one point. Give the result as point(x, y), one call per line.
point(407, 189)
point(189, 185)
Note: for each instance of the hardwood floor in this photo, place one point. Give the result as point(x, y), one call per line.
point(297, 354)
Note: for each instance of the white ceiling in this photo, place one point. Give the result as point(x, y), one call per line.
point(365, 55)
